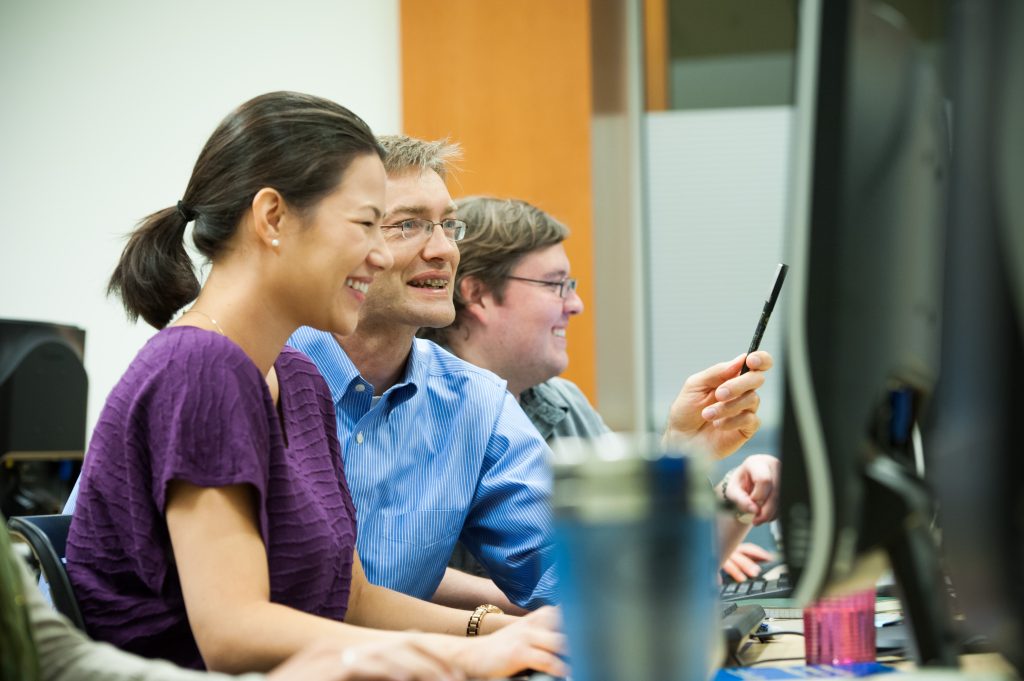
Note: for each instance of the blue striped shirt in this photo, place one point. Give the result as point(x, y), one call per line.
point(446, 454)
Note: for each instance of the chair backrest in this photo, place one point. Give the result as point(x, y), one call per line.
point(47, 536)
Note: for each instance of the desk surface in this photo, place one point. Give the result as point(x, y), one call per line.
point(789, 650)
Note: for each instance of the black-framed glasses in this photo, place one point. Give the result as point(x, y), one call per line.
point(564, 287)
point(414, 228)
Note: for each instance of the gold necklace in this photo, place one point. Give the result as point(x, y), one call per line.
point(215, 324)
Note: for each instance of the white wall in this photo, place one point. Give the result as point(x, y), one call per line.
point(104, 107)
point(717, 183)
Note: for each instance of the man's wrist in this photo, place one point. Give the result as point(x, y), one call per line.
point(741, 516)
point(723, 485)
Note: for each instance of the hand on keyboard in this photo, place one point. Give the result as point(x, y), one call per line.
point(746, 561)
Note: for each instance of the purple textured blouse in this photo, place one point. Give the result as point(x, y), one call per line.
point(193, 407)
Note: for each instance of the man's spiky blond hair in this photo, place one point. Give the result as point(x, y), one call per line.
point(404, 153)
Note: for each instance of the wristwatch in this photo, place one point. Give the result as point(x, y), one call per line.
point(473, 628)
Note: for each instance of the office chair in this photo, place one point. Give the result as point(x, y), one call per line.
point(47, 536)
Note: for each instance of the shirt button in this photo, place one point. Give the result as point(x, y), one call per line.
point(360, 387)
point(359, 438)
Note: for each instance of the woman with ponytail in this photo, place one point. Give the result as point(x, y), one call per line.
point(214, 527)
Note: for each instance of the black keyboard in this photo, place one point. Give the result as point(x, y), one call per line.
point(738, 622)
point(757, 588)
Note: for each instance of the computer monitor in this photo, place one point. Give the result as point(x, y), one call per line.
point(973, 433)
point(43, 395)
point(870, 157)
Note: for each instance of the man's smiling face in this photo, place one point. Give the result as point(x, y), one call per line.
point(417, 290)
point(525, 333)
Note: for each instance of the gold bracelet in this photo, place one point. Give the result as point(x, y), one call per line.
point(477, 618)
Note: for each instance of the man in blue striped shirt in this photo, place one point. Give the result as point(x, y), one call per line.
point(436, 450)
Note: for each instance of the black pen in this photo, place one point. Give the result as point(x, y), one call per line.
point(766, 312)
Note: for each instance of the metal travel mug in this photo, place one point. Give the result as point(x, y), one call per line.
point(637, 562)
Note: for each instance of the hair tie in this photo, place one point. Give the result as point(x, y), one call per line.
point(186, 212)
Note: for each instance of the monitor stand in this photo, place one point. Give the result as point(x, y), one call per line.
point(898, 512)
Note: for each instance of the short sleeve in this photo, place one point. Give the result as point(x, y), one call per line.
point(509, 528)
point(205, 421)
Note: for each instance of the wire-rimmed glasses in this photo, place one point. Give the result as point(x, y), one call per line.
point(414, 228)
point(564, 286)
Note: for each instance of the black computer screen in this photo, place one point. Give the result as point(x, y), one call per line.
point(973, 432)
point(867, 219)
point(43, 396)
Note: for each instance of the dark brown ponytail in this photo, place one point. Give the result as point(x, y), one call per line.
point(154, 277)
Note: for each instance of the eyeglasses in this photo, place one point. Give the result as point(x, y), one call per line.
point(415, 228)
point(563, 287)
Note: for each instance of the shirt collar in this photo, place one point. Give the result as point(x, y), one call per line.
point(341, 373)
point(416, 369)
point(332, 362)
point(545, 407)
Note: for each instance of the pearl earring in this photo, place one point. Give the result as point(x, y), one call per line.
point(275, 242)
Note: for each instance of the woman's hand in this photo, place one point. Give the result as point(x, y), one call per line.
point(533, 642)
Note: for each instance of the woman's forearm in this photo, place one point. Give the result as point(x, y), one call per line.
point(261, 635)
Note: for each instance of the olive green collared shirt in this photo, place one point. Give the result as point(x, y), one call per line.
point(558, 408)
